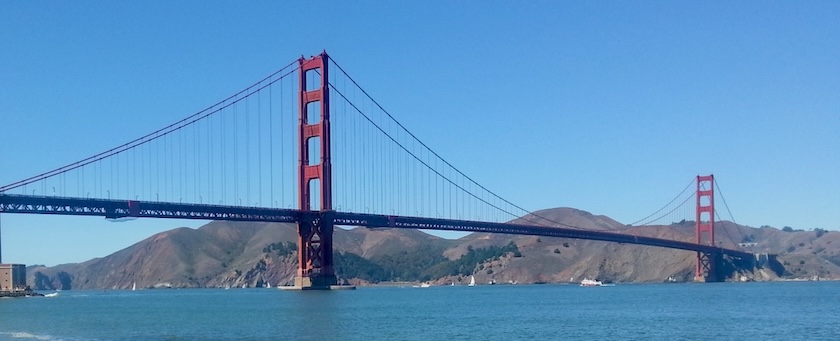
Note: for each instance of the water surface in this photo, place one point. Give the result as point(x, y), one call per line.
point(729, 311)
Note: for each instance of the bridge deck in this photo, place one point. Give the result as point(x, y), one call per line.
point(116, 209)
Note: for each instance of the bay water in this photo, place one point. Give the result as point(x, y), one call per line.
point(723, 311)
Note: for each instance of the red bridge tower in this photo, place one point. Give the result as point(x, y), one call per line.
point(315, 229)
point(705, 222)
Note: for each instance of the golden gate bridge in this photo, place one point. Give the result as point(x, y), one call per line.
point(356, 165)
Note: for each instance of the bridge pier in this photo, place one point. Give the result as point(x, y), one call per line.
point(315, 253)
point(707, 267)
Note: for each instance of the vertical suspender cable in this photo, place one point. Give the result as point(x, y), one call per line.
point(243, 180)
point(235, 156)
point(259, 147)
point(271, 144)
point(282, 149)
point(345, 201)
point(1, 238)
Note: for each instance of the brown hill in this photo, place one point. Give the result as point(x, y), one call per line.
point(223, 254)
point(216, 254)
point(370, 243)
point(567, 217)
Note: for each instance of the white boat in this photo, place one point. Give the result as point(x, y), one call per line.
point(134, 286)
point(268, 285)
point(590, 283)
point(472, 281)
point(52, 294)
point(425, 285)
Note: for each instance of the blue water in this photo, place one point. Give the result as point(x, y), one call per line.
point(729, 311)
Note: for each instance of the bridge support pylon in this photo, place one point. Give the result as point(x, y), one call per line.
point(315, 251)
point(315, 269)
point(707, 264)
point(705, 223)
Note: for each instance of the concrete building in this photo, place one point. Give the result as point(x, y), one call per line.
point(12, 277)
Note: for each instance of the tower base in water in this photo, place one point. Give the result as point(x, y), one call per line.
point(317, 283)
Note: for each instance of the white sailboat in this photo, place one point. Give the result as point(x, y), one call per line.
point(134, 286)
point(472, 281)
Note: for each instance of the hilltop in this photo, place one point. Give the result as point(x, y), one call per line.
point(239, 254)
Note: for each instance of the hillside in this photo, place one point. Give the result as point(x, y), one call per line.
point(237, 254)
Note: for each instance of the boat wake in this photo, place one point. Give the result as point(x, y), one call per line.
point(25, 335)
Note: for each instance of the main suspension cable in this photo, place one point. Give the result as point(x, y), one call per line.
point(666, 205)
point(155, 134)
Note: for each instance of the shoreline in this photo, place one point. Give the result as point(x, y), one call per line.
point(19, 293)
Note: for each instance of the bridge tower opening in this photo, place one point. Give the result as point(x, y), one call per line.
point(705, 223)
point(315, 229)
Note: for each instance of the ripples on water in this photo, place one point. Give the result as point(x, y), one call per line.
point(729, 311)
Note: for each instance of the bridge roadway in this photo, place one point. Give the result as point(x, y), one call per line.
point(118, 209)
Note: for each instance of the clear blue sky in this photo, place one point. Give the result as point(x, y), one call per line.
point(610, 107)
